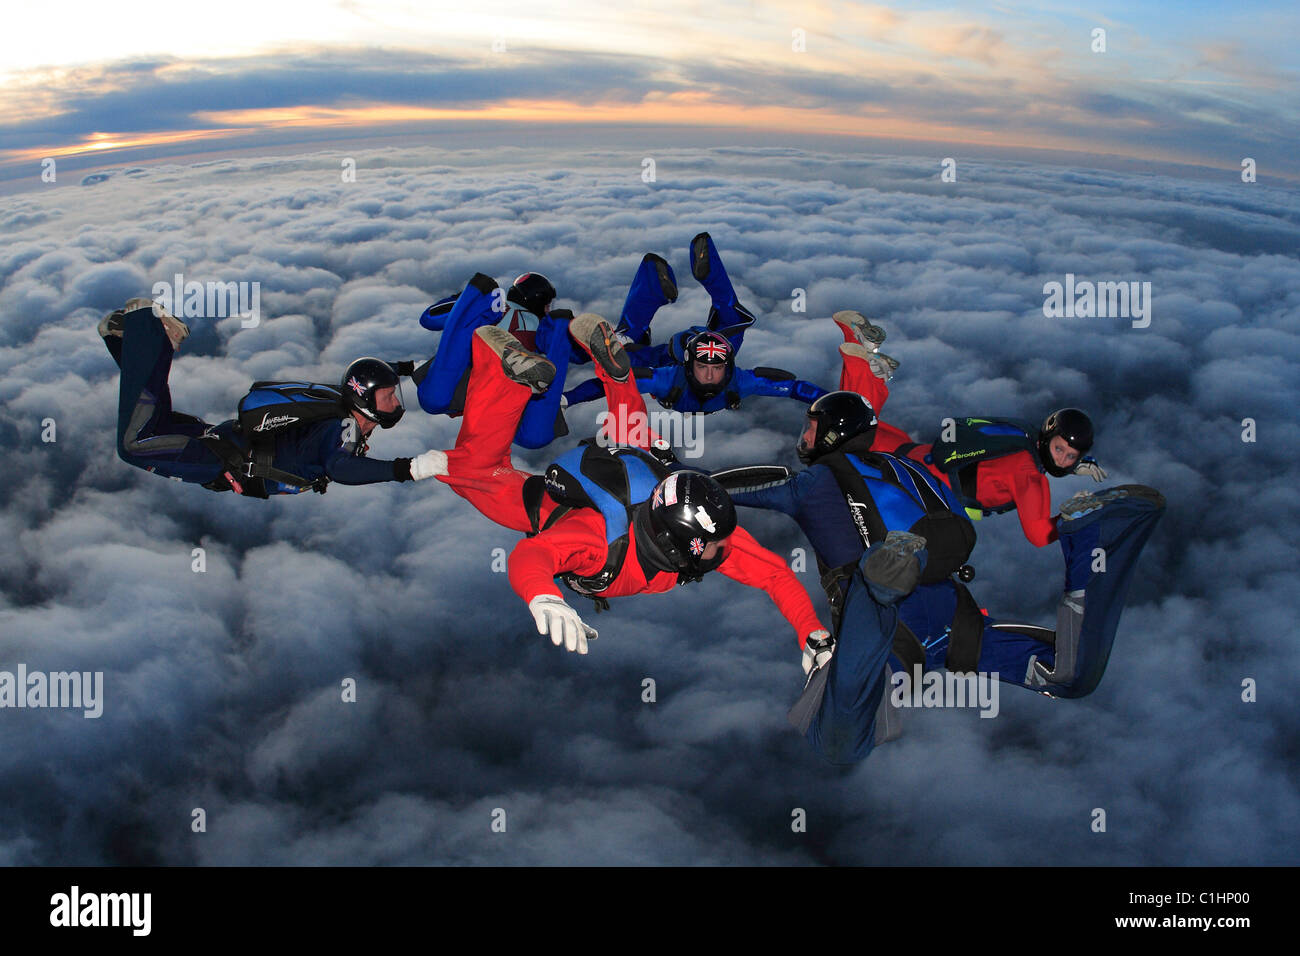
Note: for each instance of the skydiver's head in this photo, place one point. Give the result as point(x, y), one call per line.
point(709, 361)
point(687, 524)
point(533, 293)
point(1065, 437)
point(835, 420)
point(372, 391)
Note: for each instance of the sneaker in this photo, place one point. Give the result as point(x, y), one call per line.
point(666, 281)
point(700, 256)
point(1086, 502)
point(882, 366)
point(860, 326)
point(520, 365)
point(177, 331)
point(111, 324)
point(594, 334)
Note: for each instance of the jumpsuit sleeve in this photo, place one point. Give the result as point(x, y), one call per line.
point(750, 563)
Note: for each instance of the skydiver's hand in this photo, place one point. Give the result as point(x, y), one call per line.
point(432, 462)
point(733, 401)
point(564, 400)
point(403, 367)
point(818, 650)
point(553, 616)
point(1088, 466)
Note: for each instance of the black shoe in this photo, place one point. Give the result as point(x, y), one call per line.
point(666, 281)
point(700, 256)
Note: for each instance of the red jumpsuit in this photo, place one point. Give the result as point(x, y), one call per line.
point(479, 470)
point(1013, 478)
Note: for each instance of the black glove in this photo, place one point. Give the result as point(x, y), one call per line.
point(320, 485)
point(401, 469)
point(404, 367)
point(733, 400)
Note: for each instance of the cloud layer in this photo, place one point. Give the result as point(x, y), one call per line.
point(223, 687)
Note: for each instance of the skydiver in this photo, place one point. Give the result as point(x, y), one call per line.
point(695, 371)
point(684, 529)
point(526, 313)
point(142, 338)
point(888, 536)
point(993, 465)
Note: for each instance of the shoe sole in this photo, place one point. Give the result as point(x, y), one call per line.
point(519, 364)
point(882, 366)
point(700, 256)
point(596, 335)
point(1090, 501)
point(870, 336)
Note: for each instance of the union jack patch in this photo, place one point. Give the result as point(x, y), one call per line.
point(356, 386)
point(697, 547)
point(711, 351)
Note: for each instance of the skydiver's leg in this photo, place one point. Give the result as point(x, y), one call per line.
point(845, 727)
point(1010, 655)
point(542, 421)
point(627, 422)
point(727, 315)
point(654, 285)
point(866, 373)
point(150, 435)
point(860, 372)
point(479, 468)
point(472, 309)
point(1115, 523)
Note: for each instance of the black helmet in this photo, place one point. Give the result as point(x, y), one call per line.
point(688, 511)
point(1072, 425)
point(532, 291)
point(362, 380)
point(709, 348)
point(839, 416)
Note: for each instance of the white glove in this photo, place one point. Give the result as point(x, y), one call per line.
point(817, 651)
point(555, 617)
point(431, 463)
point(564, 402)
point(1089, 467)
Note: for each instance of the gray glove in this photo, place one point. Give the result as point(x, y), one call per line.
point(817, 650)
point(1088, 466)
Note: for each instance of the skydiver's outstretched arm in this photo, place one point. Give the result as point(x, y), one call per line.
point(750, 563)
point(775, 382)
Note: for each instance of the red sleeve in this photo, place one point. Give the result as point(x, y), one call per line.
point(572, 544)
point(1028, 488)
point(750, 563)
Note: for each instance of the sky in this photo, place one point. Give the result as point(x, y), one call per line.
point(1167, 84)
point(501, 140)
